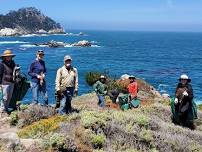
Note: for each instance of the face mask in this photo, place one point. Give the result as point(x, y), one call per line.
point(67, 65)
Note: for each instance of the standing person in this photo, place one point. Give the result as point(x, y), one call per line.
point(101, 90)
point(6, 77)
point(66, 85)
point(133, 90)
point(37, 71)
point(183, 102)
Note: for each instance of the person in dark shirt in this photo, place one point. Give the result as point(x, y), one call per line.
point(6, 78)
point(184, 102)
point(37, 71)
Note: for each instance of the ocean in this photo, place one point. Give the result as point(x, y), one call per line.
point(158, 57)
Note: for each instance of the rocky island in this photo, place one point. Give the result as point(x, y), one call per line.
point(28, 21)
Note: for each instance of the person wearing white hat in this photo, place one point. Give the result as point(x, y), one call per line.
point(66, 85)
point(101, 90)
point(7, 67)
point(184, 102)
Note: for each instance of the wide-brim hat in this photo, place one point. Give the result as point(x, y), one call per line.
point(184, 77)
point(102, 77)
point(7, 53)
point(132, 77)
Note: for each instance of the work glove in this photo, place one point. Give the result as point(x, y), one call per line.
point(76, 93)
point(185, 93)
point(176, 100)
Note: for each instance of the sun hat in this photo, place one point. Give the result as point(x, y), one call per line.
point(8, 53)
point(132, 77)
point(67, 57)
point(102, 77)
point(40, 52)
point(184, 77)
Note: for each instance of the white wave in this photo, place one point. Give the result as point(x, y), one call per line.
point(95, 46)
point(12, 42)
point(68, 45)
point(33, 35)
point(31, 45)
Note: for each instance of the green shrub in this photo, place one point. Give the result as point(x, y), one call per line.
point(146, 135)
point(59, 142)
point(98, 141)
point(92, 77)
point(14, 118)
point(90, 118)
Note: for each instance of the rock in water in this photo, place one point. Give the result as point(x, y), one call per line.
point(83, 43)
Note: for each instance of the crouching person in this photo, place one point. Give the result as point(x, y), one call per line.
point(101, 90)
point(66, 85)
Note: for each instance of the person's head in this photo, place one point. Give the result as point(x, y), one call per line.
point(184, 79)
point(7, 55)
point(40, 54)
point(132, 78)
point(67, 61)
point(102, 79)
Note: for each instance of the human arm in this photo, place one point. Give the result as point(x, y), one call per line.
point(1, 72)
point(58, 80)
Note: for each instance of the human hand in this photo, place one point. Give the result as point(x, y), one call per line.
point(176, 100)
point(76, 93)
point(39, 77)
point(185, 93)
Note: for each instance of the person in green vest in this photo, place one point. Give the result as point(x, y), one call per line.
point(100, 88)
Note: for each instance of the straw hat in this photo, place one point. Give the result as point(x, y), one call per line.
point(7, 53)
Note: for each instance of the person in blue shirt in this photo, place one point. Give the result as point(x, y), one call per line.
point(37, 71)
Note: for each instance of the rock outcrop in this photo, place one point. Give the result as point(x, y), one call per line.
point(83, 43)
point(55, 44)
point(27, 21)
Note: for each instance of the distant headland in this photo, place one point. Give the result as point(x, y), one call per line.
point(28, 21)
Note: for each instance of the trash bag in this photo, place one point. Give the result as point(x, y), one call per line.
point(20, 89)
point(125, 105)
point(175, 115)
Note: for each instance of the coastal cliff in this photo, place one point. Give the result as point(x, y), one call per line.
point(27, 21)
point(90, 128)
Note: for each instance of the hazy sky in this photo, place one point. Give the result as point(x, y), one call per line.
point(153, 15)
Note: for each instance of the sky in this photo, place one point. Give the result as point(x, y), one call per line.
point(130, 15)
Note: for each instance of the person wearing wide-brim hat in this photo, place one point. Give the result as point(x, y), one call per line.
point(6, 77)
point(37, 71)
point(184, 103)
point(101, 90)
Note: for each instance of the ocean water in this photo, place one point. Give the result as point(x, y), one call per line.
point(158, 57)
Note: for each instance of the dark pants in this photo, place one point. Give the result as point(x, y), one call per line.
point(65, 103)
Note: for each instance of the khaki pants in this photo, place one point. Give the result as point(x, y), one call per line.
point(7, 94)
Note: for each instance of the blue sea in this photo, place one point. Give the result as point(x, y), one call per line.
point(158, 57)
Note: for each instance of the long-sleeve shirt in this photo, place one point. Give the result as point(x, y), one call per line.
point(66, 78)
point(100, 88)
point(6, 72)
point(37, 67)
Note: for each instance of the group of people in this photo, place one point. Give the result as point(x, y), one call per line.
point(128, 100)
point(66, 86)
point(66, 83)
